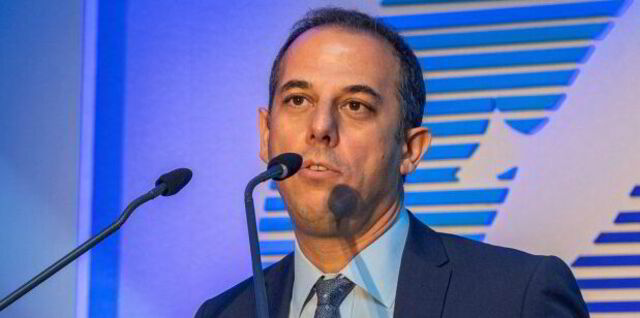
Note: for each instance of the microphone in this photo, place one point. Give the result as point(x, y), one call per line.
point(278, 168)
point(174, 181)
point(168, 184)
point(286, 165)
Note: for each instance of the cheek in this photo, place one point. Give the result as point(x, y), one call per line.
point(284, 134)
point(370, 159)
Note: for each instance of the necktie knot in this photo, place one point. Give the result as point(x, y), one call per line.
point(331, 293)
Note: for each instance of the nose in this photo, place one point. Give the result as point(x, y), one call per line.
point(323, 127)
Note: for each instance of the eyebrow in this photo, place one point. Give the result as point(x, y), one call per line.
point(358, 88)
point(363, 89)
point(295, 84)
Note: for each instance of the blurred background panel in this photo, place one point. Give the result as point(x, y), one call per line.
point(41, 49)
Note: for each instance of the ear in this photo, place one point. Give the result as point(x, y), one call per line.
point(416, 144)
point(263, 125)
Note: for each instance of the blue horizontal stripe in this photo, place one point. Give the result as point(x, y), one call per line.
point(607, 260)
point(469, 218)
point(509, 174)
point(504, 59)
point(614, 306)
point(636, 191)
point(505, 15)
point(487, 105)
point(458, 128)
point(502, 37)
point(536, 102)
point(628, 217)
point(459, 106)
point(476, 237)
point(608, 283)
point(278, 247)
point(274, 204)
point(502, 81)
point(447, 152)
point(433, 175)
point(276, 224)
point(618, 237)
point(527, 126)
point(449, 197)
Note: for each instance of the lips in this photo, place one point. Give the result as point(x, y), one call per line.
point(318, 166)
point(318, 170)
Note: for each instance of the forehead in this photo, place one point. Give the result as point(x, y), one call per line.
point(342, 55)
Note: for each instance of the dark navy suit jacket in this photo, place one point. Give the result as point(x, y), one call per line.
point(441, 275)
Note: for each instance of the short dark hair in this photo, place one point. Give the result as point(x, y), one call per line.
point(411, 88)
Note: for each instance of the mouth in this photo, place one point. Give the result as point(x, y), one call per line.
point(318, 166)
point(316, 169)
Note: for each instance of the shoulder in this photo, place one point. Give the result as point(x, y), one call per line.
point(479, 254)
point(486, 261)
point(239, 300)
point(541, 286)
point(239, 296)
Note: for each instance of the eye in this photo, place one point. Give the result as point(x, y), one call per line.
point(357, 109)
point(354, 106)
point(295, 100)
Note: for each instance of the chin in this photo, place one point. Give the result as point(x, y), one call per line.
point(318, 230)
point(309, 209)
point(322, 223)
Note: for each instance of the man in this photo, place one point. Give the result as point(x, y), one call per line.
point(348, 94)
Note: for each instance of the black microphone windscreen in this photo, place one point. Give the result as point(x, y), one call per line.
point(175, 180)
point(292, 161)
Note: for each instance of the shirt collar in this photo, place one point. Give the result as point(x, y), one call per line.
point(375, 269)
point(305, 276)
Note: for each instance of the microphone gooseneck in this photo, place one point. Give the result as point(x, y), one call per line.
point(278, 168)
point(168, 184)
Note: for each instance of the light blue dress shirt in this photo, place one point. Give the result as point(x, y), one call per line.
point(374, 271)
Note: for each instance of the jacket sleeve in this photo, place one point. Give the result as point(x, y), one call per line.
point(552, 291)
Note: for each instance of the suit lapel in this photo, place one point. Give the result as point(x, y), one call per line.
point(424, 274)
point(279, 283)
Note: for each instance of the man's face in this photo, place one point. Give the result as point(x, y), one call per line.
point(336, 105)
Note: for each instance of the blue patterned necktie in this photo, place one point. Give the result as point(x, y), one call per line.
point(331, 292)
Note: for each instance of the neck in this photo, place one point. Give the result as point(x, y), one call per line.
point(332, 254)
